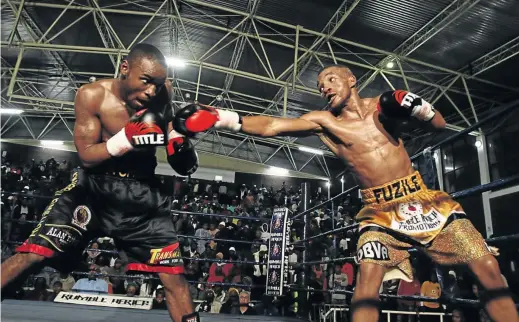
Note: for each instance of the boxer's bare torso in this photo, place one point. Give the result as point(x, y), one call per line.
point(363, 143)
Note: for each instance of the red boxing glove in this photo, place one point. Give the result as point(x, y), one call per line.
point(182, 156)
point(195, 118)
point(142, 130)
point(402, 104)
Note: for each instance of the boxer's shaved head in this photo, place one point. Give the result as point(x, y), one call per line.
point(341, 68)
point(140, 51)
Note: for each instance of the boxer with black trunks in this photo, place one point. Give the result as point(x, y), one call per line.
point(399, 211)
point(119, 123)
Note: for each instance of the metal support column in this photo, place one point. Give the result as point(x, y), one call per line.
point(484, 174)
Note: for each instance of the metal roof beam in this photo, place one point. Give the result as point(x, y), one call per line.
point(263, 38)
point(495, 57)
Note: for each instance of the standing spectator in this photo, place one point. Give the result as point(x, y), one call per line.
point(338, 282)
point(408, 289)
point(92, 254)
point(431, 289)
point(203, 234)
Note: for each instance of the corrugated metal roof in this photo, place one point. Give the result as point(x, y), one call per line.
point(385, 24)
point(485, 27)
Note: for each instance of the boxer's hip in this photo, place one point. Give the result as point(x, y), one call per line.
point(407, 207)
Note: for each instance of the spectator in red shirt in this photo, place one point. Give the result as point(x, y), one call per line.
point(348, 269)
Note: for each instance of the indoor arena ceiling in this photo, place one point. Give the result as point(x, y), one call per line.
point(261, 57)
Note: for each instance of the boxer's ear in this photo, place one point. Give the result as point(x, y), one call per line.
point(124, 69)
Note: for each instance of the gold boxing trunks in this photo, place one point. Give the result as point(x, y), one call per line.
point(403, 214)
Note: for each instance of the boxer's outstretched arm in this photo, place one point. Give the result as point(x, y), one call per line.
point(87, 130)
point(267, 126)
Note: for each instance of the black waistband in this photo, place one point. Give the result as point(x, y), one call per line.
point(406, 239)
point(122, 175)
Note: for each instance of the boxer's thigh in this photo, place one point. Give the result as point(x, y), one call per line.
point(381, 248)
point(65, 226)
point(147, 236)
point(458, 243)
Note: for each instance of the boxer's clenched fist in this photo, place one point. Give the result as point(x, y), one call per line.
point(195, 118)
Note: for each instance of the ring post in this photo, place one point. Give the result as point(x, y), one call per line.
point(305, 205)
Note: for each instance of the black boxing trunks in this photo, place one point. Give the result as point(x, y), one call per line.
point(403, 214)
point(122, 205)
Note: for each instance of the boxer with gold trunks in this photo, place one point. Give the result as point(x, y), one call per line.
point(400, 212)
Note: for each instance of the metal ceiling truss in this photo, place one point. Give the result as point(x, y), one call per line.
point(246, 32)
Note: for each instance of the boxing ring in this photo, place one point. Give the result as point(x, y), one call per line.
point(18, 310)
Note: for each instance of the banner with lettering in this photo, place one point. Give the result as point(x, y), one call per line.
point(277, 277)
point(139, 303)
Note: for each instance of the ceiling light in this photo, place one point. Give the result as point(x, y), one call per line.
point(175, 62)
point(478, 144)
point(51, 142)
point(390, 64)
point(275, 171)
point(328, 184)
point(310, 150)
point(10, 111)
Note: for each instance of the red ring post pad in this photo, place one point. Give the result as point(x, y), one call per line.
point(277, 269)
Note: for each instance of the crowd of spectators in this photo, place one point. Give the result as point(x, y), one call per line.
point(101, 269)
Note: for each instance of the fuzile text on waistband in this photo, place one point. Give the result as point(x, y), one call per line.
point(397, 189)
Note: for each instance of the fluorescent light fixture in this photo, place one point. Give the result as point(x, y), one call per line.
point(175, 62)
point(10, 111)
point(310, 150)
point(275, 171)
point(51, 143)
point(390, 64)
point(218, 178)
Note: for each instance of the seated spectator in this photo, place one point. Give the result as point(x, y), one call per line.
point(131, 289)
point(245, 307)
point(158, 301)
point(39, 293)
point(57, 287)
point(197, 290)
point(457, 316)
point(91, 284)
point(231, 302)
point(209, 305)
point(117, 282)
point(67, 281)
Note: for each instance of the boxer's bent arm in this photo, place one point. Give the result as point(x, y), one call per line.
point(267, 126)
point(87, 130)
point(438, 122)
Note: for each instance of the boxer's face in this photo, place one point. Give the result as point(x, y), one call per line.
point(335, 84)
point(142, 80)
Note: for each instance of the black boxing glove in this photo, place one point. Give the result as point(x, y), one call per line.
point(402, 105)
point(195, 118)
point(145, 128)
point(182, 156)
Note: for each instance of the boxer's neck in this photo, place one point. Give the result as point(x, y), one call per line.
point(354, 106)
